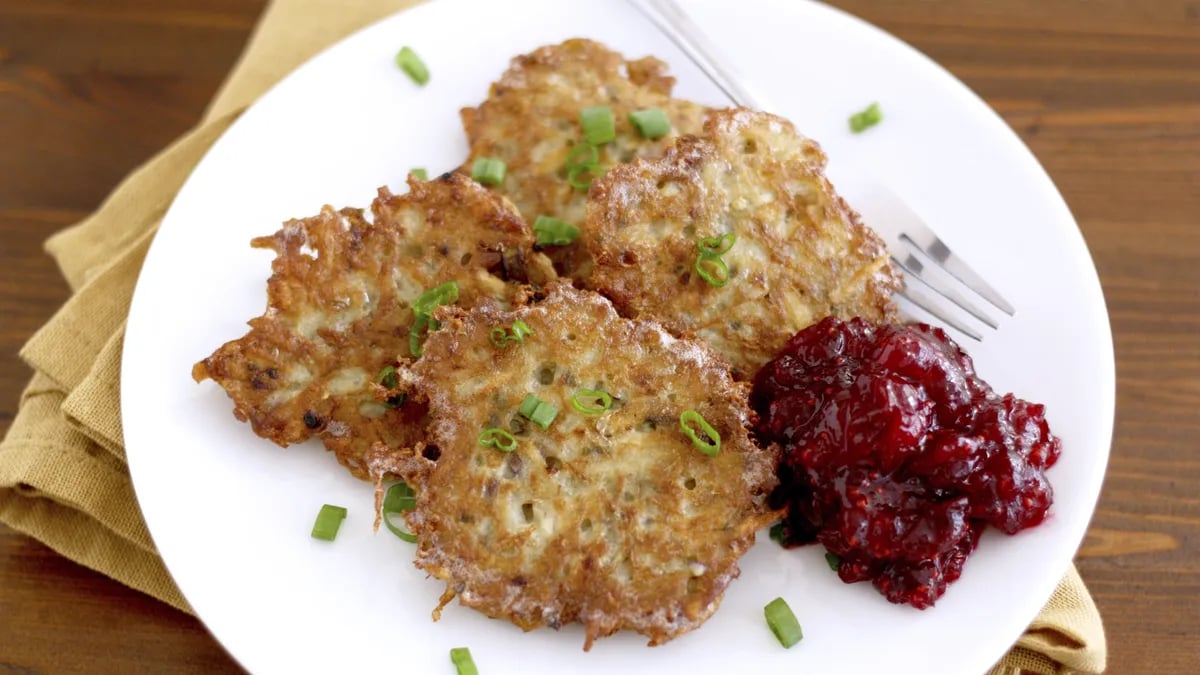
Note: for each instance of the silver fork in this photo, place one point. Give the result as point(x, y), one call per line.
point(911, 241)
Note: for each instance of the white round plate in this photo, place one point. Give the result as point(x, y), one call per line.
point(231, 513)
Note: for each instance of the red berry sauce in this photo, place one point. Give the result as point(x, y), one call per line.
point(896, 455)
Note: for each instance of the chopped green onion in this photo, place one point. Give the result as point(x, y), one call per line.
point(776, 532)
point(502, 338)
point(416, 334)
point(423, 306)
point(329, 520)
point(712, 445)
point(783, 622)
point(499, 439)
point(488, 171)
point(592, 171)
point(832, 560)
point(412, 65)
point(463, 663)
point(528, 405)
point(716, 246)
point(591, 401)
point(598, 124)
point(543, 414)
point(537, 411)
point(442, 294)
point(520, 329)
point(399, 498)
point(420, 173)
point(712, 269)
point(574, 157)
point(583, 160)
point(861, 121)
point(651, 122)
point(387, 377)
point(554, 232)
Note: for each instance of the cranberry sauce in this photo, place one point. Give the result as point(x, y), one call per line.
point(896, 455)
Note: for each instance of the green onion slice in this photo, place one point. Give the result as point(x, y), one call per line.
point(651, 122)
point(776, 532)
point(590, 172)
point(712, 269)
point(537, 411)
point(711, 444)
point(423, 306)
point(412, 65)
point(520, 329)
point(329, 520)
point(598, 124)
point(416, 334)
point(399, 498)
point(387, 377)
point(554, 232)
point(783, 622)
point(463, 663)
point(575, 157)
point(716, 246)
point(488, 171)
point(442, 294)
point(499, 439)
point(502, 338)
point(861, 121)
point(832, 560)
point(591, 401)
point(528, 405)
point(420, 173)
point(543, 414)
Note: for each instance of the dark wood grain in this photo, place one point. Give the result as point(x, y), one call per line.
point(1105, 92)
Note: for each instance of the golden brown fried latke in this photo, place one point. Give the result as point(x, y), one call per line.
point(338, 311)
point(531, 121)
point(801, 253)
point(615, 520)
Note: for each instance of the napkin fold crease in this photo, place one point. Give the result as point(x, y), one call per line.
point(64, 479)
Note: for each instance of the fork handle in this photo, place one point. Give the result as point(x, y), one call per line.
point(670, 18)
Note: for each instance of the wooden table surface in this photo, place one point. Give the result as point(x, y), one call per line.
point(1105, 92)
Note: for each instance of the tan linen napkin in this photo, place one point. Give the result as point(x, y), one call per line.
point(63, 475)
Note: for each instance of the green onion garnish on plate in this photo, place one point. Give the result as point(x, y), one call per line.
point(554, 232)
point(712, 269)
point(598, 124)
point(502, 338)
point(412, 65)
point(329, 521)
point(650, 122)
point(498, 438)
point(488, 171)
point(717, 245)
point(591, 401)
point(399, 498)
point(867, 118)
point(783, 622)
point(419, 172)
point(711, 443)
point(422, 307)
point(463, 663)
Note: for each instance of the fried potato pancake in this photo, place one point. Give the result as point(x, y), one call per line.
point(800, 252)
point(614, 520)
point(339, 311)
point(531, 121)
